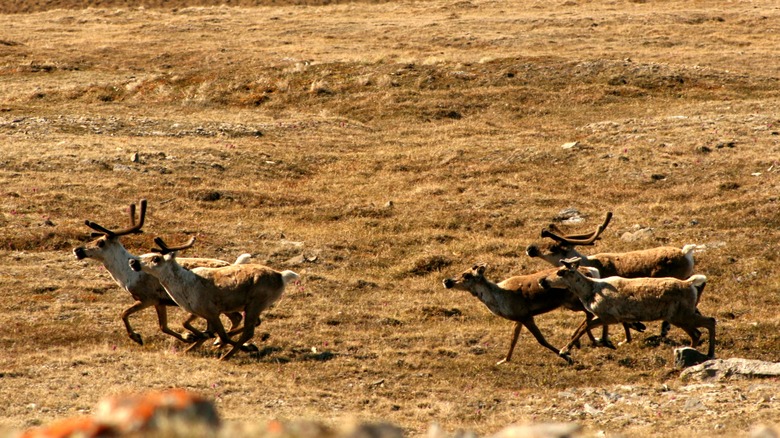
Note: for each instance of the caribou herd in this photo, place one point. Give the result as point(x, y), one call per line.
point(629, 288)
point(206, 288)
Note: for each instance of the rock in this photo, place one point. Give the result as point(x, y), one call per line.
point(569, 216)
point(301, 259)
point(639, 234)
point(154, 410)
point(122, 168)
point(687, 357)
point(78, 426)
point(542, 430)
point(291, 243)
point(590, 410)
point(570, 145)
point(764, 431)
point(374, 430)
point(734, 368)
point(693, 404)
point(135, 157)
point(164, 413)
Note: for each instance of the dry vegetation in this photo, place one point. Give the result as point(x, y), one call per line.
point(287, 130)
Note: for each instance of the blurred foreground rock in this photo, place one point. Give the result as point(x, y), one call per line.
point(734, 368)
point(179, 413)
point(545, 430)
point(174, 412)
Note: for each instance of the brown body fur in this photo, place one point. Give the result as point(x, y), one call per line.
point(145, 289)
point(518, 299)
point(625, 300)
point(209, 292)
point(665, 261)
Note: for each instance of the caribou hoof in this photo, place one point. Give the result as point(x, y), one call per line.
point(189, 338)
point(136, 338)
point(566, 357)
point(607, 343)
point(250, 348)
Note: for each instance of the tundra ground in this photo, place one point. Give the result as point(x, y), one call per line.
point(377, 148)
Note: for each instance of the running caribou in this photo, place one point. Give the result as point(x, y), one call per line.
point(145, 289)
point(665, 261)
point(209, 292)
point(627, 300)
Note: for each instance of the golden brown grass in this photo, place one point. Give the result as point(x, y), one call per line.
point(261, 127)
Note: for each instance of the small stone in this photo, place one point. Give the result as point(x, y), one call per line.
point(693, 404)
point(640, 234)
point(122, 168)
point(135, 157)
point(568, 214)
point(570, 145)
point(590, 410)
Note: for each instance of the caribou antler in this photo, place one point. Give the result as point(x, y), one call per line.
point(555, 233)
point(134, 228)
point(552, 228)
point(132, 215)
point(165, 249)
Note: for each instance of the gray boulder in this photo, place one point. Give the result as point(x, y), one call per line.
point(734, 368)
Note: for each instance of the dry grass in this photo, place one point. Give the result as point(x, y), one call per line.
point(261, 127)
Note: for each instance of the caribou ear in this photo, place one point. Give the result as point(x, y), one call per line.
point(572, 263)
point(480, 268)
point(544, 284)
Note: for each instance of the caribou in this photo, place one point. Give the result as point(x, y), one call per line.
point(665, 261)
point(146, 290)
point(519, 299)
point(209, 292)
point(627, 300)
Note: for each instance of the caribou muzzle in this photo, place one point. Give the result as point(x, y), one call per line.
point(80, 253)
point(135, 265)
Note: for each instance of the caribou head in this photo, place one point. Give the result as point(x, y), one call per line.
point(562, 246)
point(107, 241)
